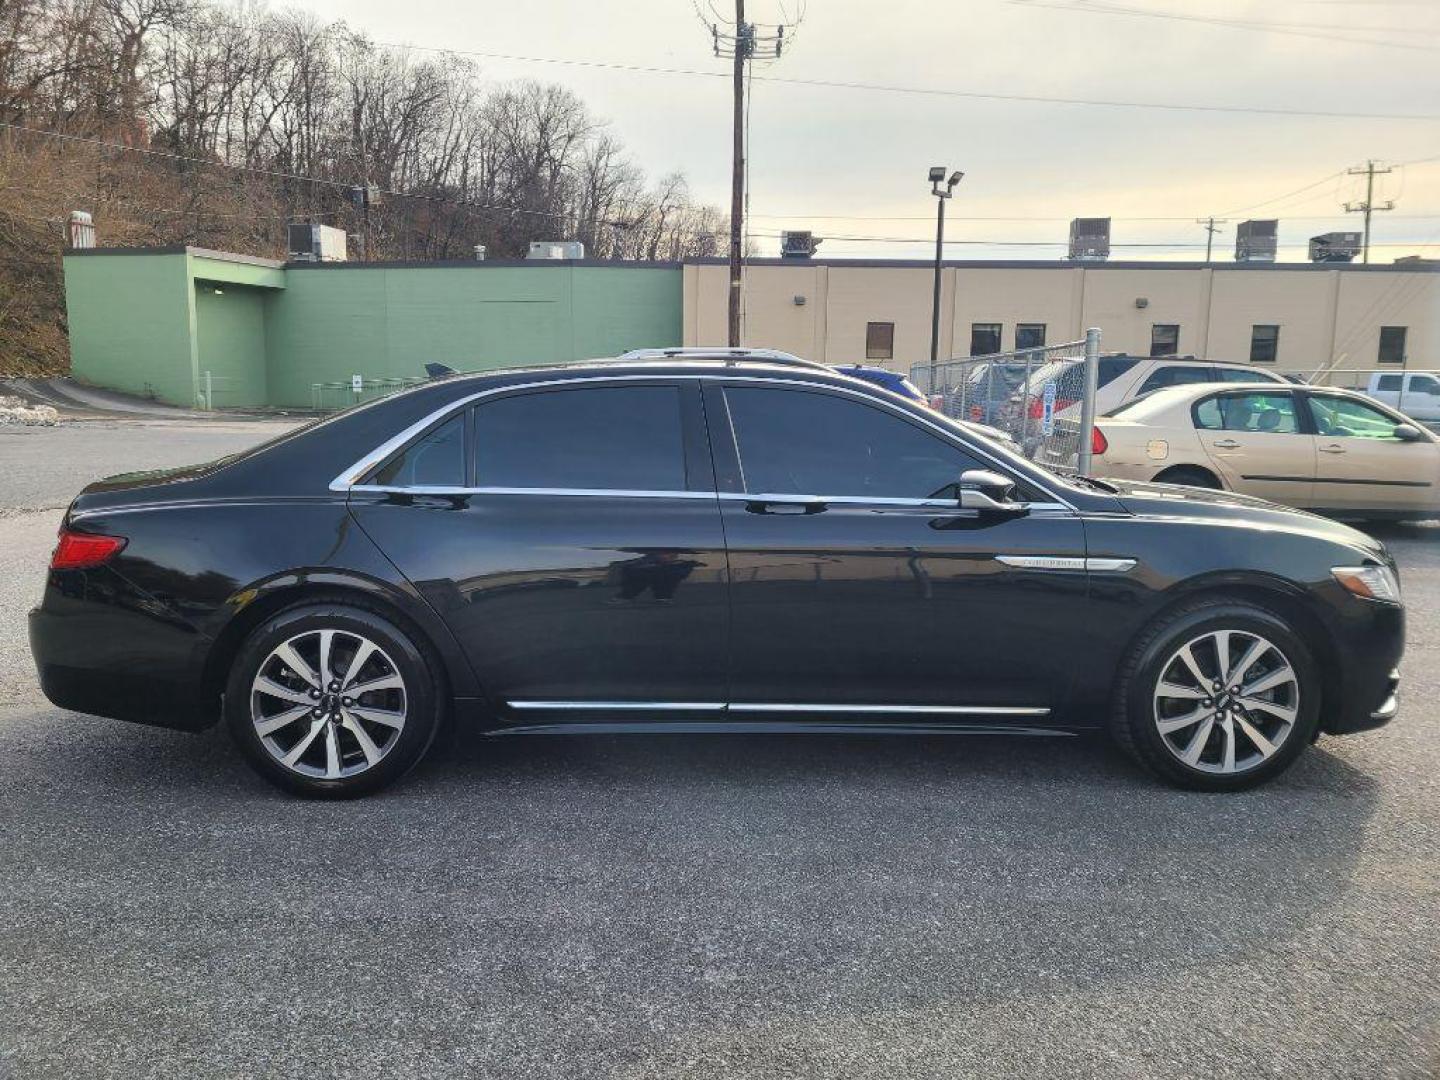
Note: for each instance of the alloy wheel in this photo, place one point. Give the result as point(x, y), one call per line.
point(1226, 701)
point(328, 704)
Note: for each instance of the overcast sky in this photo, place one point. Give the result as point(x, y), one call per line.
point(852, 163)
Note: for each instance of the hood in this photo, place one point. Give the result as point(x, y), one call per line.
point(1177, 501)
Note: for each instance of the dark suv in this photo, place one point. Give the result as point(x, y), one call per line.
point(701, 545)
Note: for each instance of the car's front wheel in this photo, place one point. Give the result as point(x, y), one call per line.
point(331, 700)
point(1218, 695)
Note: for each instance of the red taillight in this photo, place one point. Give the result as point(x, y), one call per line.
point(76, 550)
point(1098, 443)
point(1037, 409)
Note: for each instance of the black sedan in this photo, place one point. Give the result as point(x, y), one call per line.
point(693, 544)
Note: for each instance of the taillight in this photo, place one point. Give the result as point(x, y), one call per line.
point(1037, 409)
point(77, 550)
point(1098, 443)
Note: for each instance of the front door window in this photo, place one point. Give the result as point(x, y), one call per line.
point(797, 442)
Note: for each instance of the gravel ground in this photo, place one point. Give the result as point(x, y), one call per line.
point(698, 907)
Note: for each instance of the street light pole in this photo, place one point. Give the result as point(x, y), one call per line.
point(937, 174)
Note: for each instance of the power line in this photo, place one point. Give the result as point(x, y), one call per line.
point(839, 84)
point(1303, 30)
point(272, 173)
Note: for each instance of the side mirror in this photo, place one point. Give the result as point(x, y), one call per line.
point(981, 489)
point(1407, 433)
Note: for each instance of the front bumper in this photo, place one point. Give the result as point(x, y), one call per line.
point(1364, 692)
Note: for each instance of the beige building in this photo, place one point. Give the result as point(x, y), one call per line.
point(1299, 317)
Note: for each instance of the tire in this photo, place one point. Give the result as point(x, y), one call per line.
point(357, 743)
point(1190, 476)
point(1282, 677)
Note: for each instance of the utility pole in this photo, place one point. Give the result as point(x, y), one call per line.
point(742, 42)
point(744, 47)
point(1369, 170)
point(1211, 227)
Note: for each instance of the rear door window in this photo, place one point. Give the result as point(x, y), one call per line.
point(600, 438)
point(1176, 375)
point(1272, 414)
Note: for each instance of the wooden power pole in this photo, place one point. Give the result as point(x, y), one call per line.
point(744, 47)
point(742, 43)
point(1369, 170)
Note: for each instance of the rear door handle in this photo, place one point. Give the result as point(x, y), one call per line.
point(1333, 448)
point(1225, 444)
point(766, 506)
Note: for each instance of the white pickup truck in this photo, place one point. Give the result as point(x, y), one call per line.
point(1415, 393)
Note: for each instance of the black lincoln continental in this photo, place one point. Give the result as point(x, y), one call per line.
point(701, 543)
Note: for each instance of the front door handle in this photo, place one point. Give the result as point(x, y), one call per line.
point(1226, 444)
point(1333, 448)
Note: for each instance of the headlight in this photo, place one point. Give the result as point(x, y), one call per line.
point(1371, 582)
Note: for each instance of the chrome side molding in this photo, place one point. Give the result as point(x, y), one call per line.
point(779, 707)
point(1067, 562)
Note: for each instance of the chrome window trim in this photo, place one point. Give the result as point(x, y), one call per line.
point(779, 707)
point(613, 493)
point(350, 477)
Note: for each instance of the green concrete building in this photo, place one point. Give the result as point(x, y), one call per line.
point(168, 323)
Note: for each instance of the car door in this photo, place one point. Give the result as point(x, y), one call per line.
point(1362, 465)
point(575, 549)
point(857, 582)
point(1257, 443)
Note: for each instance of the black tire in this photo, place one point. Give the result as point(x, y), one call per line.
point(419, 696)
point(1135, 717)
point(1190, 476)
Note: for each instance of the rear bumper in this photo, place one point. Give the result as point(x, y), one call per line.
point(106, 662)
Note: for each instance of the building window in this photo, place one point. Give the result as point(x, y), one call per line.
point(1392, 344)
point(1029, 335)
point(1264, 343)
point(879, 341)
point(1164, 339)
point(984, 338)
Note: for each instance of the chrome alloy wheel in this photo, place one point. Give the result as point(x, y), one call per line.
point(328, 704)
point(1226, 701)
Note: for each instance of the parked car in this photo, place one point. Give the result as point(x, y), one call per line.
point(1414, 393)
point(693, 544)
point(1124, 378)
point(897, 383)
point(1313, 447)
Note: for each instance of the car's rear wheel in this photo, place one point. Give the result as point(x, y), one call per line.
point(1218, 695)
point(331, 700)
point(1190, 476)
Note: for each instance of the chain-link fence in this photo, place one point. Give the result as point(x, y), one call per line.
point(341, 395)
point(1036, 396)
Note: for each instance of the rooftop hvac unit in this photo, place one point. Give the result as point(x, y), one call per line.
point(556, 249)
point(82, 229)
point(1255, 241)
point(1335, 247)
point(1090, 239)
point(798, 245)
point(316, 243)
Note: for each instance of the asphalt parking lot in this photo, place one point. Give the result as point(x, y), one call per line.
point(697, 907)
